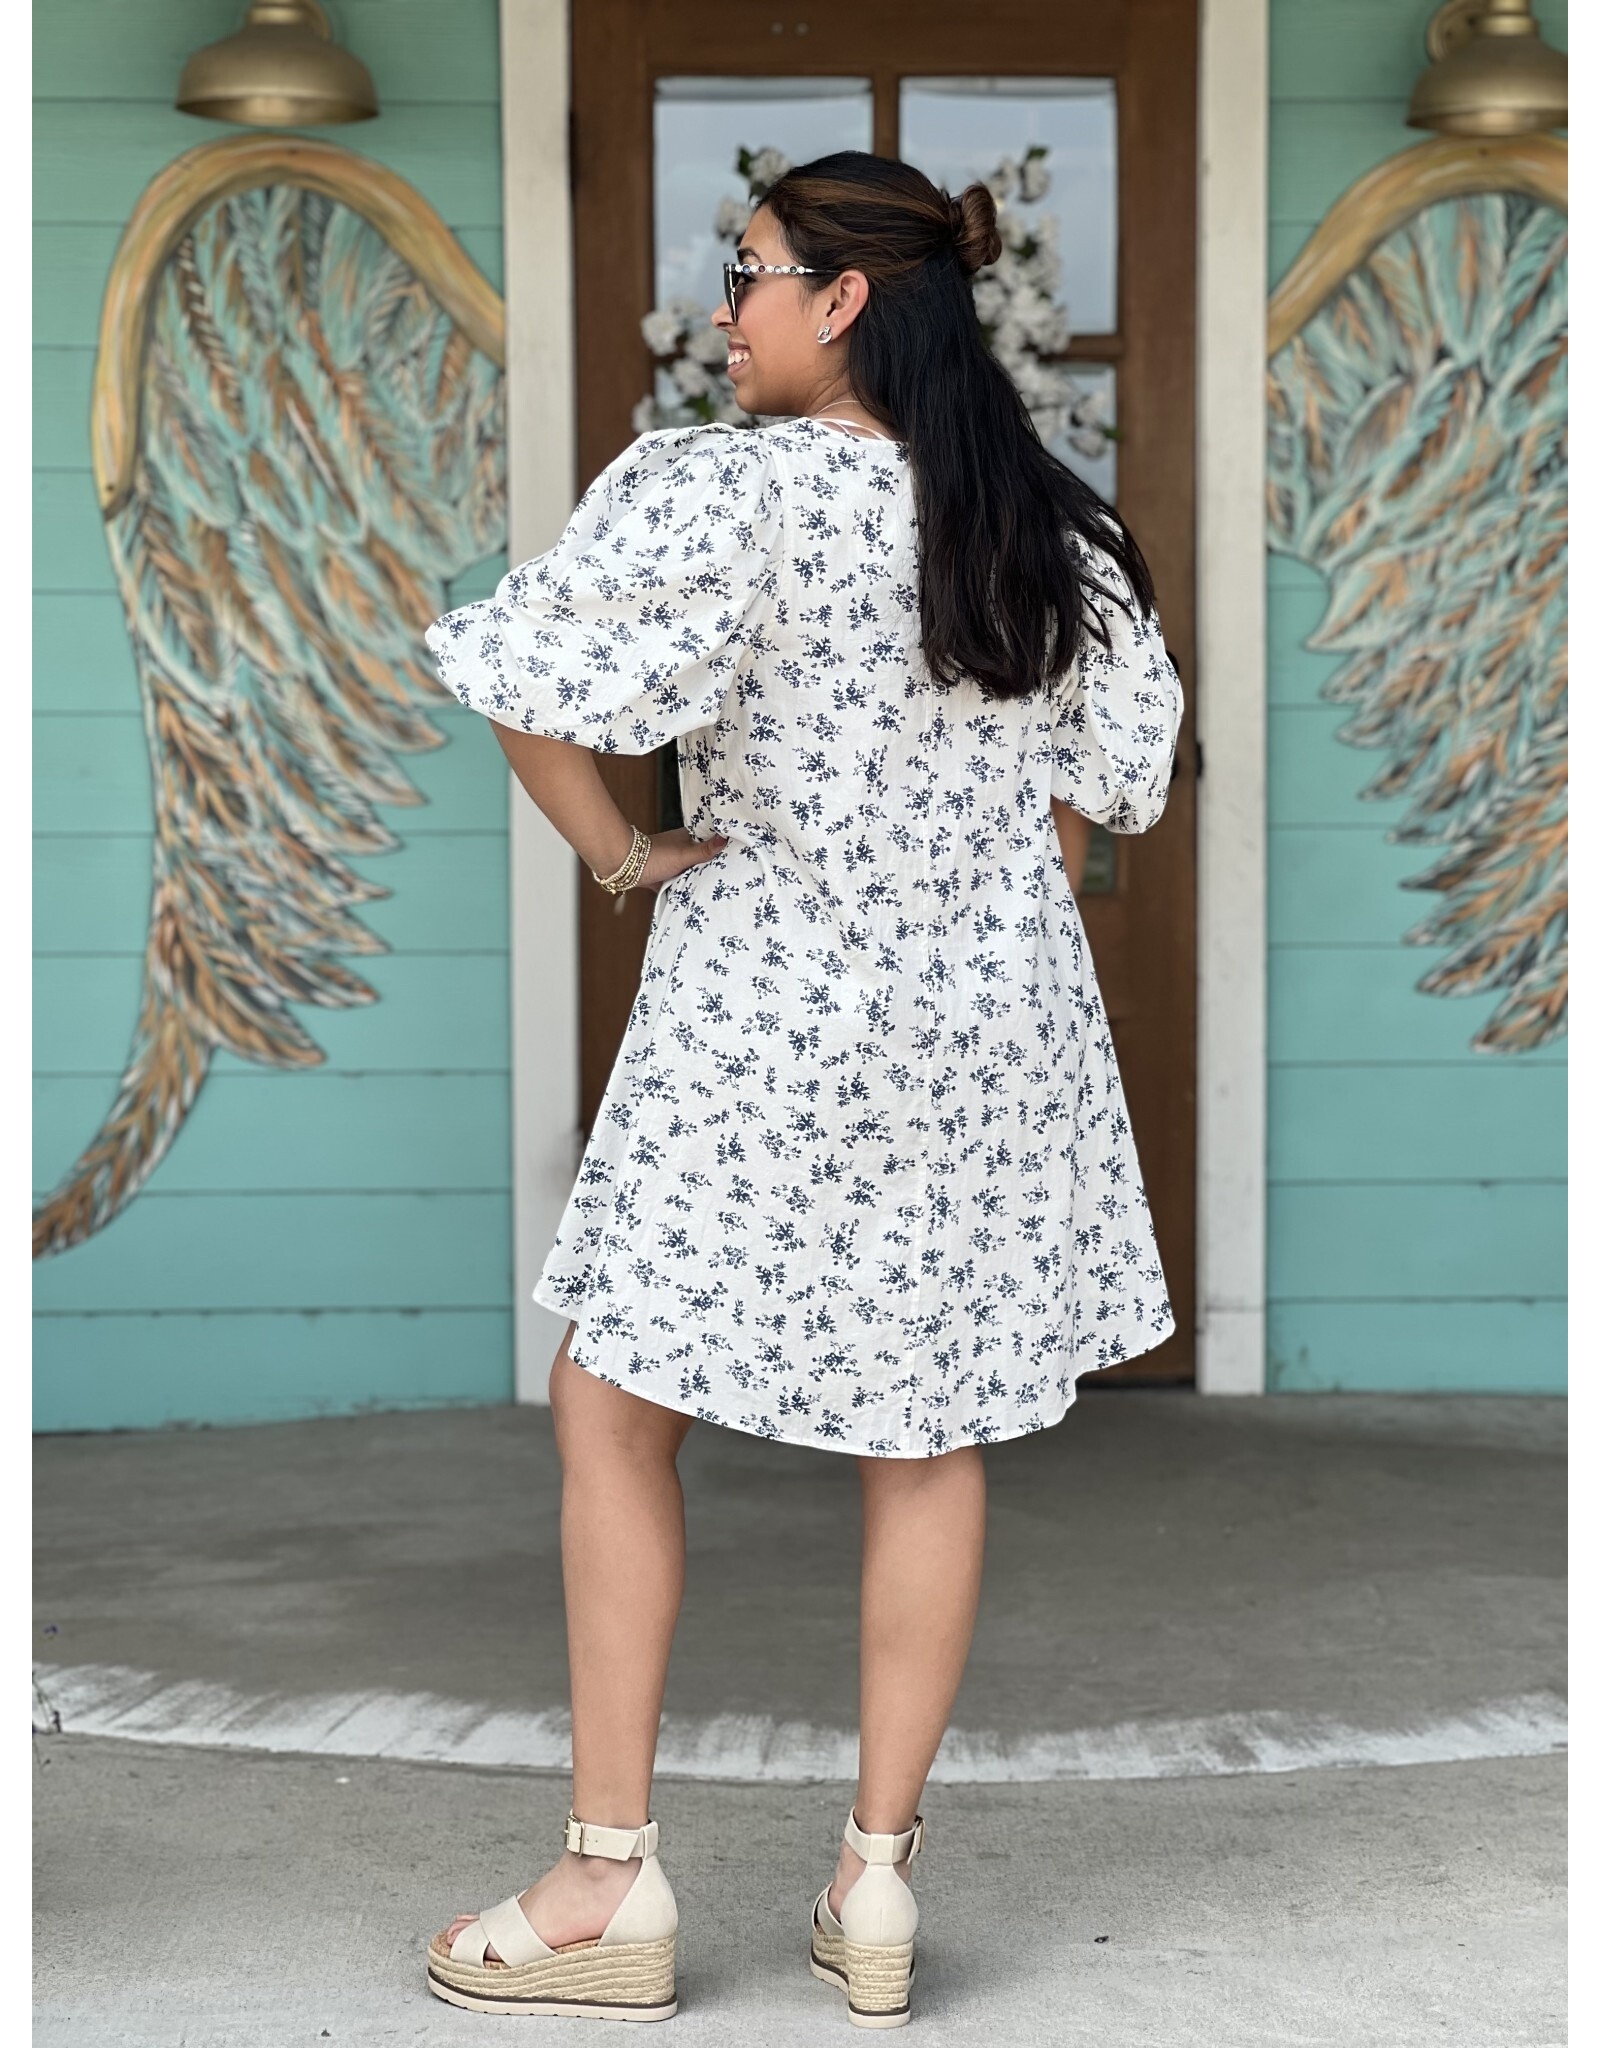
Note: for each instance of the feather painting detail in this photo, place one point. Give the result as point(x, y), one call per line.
point(1417, 458)
point(305, 445)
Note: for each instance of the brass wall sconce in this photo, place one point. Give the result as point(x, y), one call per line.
point(1492, 74)
point(282, 69)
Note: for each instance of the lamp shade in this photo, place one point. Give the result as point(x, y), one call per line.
point(282, 69)
point(1492, 74)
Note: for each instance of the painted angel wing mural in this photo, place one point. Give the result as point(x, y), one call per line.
point(1417, 433)
point(298, 432)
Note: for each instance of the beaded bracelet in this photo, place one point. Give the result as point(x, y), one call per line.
point(632, 868)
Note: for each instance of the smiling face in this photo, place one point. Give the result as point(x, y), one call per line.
point(776, 363)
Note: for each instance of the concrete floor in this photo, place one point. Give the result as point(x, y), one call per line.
point(1213, 1633)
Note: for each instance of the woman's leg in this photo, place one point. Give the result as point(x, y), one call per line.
point(622, 1562)
point(921, 1567)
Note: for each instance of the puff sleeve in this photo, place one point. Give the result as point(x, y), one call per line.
point(1117, 711)
point(630, 629)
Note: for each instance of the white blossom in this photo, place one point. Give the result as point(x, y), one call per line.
point(767, 166)
point(1010, 340)
point(708, 345)
point(644, 419)
point(988, 297)
point(690, 377)
point(1090, 416)
point(1047, 384)
point(1014, 230)
point(1008, 271)
point(1038, 321)
point(1034, 180)
point(662, 331)
point(1094, 406)
point(733, 217)
point(1003, 182)
point(1044, 266)
point(1034, 380)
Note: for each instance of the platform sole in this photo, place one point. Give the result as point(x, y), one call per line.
point(634, 1981)
point(880, 1996)
point(880, 1983)
point(830, 1973)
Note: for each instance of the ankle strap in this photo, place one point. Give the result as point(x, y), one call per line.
point(588, 1838)
point(883, 1848)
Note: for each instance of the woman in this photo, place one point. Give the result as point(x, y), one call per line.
point(863, 1176)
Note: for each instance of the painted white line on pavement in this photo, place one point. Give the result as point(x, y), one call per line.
point(139, 1706)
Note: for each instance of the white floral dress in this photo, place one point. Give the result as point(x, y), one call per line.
point(863, 1175)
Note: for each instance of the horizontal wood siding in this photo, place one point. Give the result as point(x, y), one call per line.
point(132, 1371)
point(1416, 1215)
point(317, 1242)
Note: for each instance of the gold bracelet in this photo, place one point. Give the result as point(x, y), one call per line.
point(632, 868)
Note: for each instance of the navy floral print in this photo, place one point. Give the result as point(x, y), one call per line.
point(863, 1175)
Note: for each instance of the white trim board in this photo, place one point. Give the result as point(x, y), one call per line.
point(541, 460)
point(1230, 700)
point(1230, 577)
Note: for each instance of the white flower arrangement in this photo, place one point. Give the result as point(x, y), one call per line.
point(1022, 319)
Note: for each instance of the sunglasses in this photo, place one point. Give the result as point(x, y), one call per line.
point(733, 273)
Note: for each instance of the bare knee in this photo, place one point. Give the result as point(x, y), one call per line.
point(597, 1422)
point(953, 1473)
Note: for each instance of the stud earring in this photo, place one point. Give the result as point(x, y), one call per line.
point(825, 333)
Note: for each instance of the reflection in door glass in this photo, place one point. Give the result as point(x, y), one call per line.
point(700, 126)
point(960, 129)
point(1091, 454)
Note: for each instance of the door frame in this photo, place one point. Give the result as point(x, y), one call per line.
point(1231, 655)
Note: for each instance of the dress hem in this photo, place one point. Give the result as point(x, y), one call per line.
point(964, 1438)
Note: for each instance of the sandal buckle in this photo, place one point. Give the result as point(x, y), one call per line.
point(572, 1834)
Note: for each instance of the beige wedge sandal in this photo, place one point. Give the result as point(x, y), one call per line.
point(628, 1972)
point(869, 1950)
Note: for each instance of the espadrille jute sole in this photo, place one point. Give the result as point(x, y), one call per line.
point(886, 1977)
point(880, 1983)
point(632, 1981)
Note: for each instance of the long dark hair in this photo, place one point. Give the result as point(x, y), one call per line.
point(1002, 597)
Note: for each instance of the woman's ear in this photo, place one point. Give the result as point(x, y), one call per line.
point(845, 297)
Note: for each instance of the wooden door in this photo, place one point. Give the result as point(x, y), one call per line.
point(656, 82)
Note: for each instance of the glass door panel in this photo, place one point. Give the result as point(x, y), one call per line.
point(700, 126)
point(960, 129)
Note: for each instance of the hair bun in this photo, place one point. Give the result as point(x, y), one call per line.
point(972, 223)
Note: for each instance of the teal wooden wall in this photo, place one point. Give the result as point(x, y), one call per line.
point(1416, 1219)
point(341, 1239)
point(320, 1242)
